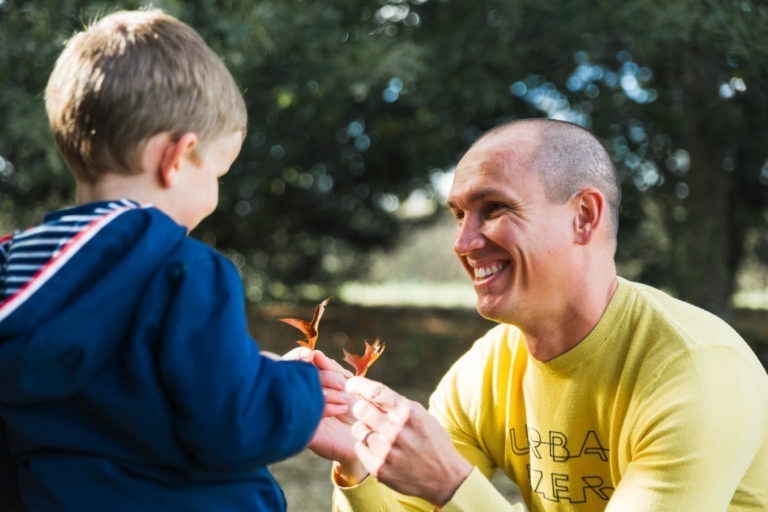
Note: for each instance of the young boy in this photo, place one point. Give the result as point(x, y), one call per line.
point(128, 379)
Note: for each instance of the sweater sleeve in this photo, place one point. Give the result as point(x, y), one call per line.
point(370, 495)
point(475, 493)
point(463, 404)
point(233, 406)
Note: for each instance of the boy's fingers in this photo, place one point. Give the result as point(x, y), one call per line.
point(326, 363)
point(335, 396)
point(333, 380)
point(299, 354)
point(332, 410)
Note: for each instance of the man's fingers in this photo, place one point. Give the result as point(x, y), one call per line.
point(375, 392)
point(370, 414)
point(359, 430)
point(369, 447)
point(367, 436)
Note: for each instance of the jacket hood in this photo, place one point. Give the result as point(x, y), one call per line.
point(58, 331)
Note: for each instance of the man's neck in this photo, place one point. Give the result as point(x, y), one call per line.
point(548, 338)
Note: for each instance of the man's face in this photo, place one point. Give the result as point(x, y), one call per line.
point(511, 240)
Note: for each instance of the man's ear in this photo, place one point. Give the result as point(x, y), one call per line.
point(589, 214)
point(173, 156)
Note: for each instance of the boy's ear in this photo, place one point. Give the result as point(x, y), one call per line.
point(173, 156)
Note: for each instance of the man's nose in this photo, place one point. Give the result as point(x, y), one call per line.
point(469, 237)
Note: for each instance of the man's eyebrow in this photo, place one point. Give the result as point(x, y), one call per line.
point(477, 195)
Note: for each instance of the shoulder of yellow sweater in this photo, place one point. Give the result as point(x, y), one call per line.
point(500, 339)
point(691, 324)
point(468, 376)
point(496, 348)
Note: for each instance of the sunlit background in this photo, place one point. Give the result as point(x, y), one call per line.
point(360, 109)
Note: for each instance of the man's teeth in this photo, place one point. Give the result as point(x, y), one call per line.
point(487, 271)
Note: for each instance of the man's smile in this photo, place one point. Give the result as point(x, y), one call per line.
point(483, 272)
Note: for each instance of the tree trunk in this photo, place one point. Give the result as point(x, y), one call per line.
point(700, 223)
point(699, 228)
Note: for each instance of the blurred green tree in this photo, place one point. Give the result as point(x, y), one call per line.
point(329, 154)
point(355, 104)
point(677, 90)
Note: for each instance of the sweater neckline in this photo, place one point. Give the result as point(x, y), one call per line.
point(598, 338)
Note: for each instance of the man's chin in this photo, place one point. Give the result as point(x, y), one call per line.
point(490, 308)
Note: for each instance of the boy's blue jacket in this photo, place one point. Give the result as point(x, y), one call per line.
point(129, 382)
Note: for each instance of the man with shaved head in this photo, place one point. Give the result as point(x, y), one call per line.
point(593, 392)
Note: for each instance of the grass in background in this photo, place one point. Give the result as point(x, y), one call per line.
point(751, 299)
point(421, 294)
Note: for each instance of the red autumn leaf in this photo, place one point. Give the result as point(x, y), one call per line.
point(308, 328)
point(372, 353)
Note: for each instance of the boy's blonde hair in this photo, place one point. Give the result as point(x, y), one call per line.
point(130, 76)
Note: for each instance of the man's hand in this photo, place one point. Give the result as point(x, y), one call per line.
point(403, 445)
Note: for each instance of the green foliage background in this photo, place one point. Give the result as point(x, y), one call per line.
point(354, 104)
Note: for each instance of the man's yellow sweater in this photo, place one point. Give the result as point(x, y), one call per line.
point(662, 407)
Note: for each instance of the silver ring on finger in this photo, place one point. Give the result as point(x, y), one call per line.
point(365, 438)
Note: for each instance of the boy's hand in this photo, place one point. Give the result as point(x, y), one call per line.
point(333, 439)
point(298, 354)
point(333, 378)
point(270, 355)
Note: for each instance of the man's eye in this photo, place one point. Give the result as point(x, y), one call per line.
point(494, 207)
